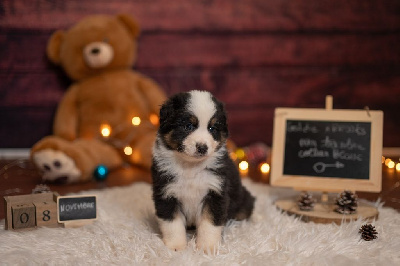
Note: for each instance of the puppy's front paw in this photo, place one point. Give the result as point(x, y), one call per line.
point(174, 233)
point(175, 243)
point(56, 166)
point(208, 237)
point(209, 246)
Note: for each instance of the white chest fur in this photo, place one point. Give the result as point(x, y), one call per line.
point(190, 188)
point(191, 181)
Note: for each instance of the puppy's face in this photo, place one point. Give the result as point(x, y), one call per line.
point(193, 124)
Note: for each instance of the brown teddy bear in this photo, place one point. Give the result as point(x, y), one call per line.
point(97, 54)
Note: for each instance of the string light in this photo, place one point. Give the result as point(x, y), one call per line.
point(387, 161)
point(391, 164)
point(105, 130)
point(398, 167)
point(136, 121)
point(264, 168)
point(240, 154)
point(128, 150)
point(243, 165)
point(154, 119)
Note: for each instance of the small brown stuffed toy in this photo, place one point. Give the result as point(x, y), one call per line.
point(98, 54)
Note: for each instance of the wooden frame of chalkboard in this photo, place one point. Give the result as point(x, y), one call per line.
point(77, 209)
point(327, 150)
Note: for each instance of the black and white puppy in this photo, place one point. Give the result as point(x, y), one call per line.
point(195, 183)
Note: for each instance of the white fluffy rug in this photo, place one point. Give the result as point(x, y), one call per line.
point(126, 234)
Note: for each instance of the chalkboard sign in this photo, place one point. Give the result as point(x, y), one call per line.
point(74, 208)
point(329, 150)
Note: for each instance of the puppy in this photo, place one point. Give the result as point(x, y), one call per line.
point(195, 183)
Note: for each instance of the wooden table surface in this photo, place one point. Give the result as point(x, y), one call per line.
point(18, 177)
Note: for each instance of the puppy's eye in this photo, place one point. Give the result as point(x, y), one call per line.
point(212, 129)
point(188, 127)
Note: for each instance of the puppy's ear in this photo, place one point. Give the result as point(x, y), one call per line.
point(221, 109)
point(166, 111)
point(176, 102)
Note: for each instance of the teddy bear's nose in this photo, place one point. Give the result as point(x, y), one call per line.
point(95, 50)
point(98, 54)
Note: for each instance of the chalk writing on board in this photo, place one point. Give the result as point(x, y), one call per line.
point(320, 167)
point(327, 148)
point(77, 208)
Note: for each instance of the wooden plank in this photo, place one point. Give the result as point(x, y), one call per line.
point(249, 50)
point(217, 15)
point(21, 127)
point(379, 88)
point(240, 50)
point(250, 95)
point(289, 86)
point(248, 126)
point(32, 89)
point(351, 88)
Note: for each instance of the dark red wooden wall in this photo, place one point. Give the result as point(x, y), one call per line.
point(255, 55)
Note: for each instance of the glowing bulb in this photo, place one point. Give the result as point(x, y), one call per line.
point(128, 150)
point(233, 156)
point(391, 164)
point(136, 121)
point(398, 167)
point(105, 130)
point(243, 165)
point(154, 119)
point(265, 168)
point(240, 154)
point(383, 159)
point(387, 161)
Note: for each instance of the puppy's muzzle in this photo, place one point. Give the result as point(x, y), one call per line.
point(201, 149)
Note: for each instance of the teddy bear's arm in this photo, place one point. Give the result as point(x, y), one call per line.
point(65, 122)
point(153, 93)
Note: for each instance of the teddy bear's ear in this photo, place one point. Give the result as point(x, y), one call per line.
point(130, 23)
point(54, 45)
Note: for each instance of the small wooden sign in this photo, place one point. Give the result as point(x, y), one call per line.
point(76, 209)
point(327, 150)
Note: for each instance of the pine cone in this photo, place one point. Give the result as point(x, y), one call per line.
point(368, 232)
point(306, 202)
point(347, 203)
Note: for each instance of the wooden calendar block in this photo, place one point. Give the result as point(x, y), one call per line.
point(11, 203)
point(23, 215)
point(46, 213)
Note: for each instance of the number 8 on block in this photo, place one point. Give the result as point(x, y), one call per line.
point(46, 214)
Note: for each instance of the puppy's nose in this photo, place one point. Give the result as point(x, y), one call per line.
point(201, 148)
